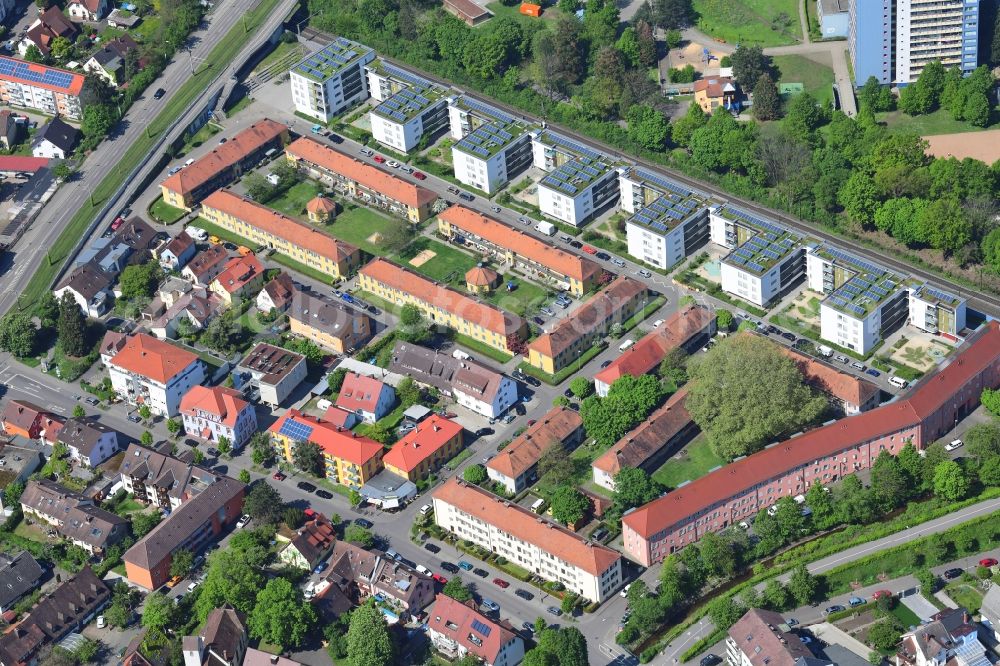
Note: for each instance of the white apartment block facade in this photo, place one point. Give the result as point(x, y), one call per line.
point(149, 372)
point(491, 146)
point(331, 80)
point(669, 221)
point(937, 311)
point(402, 120)
point(575, 191)
point(502, 400)
point(928, 30)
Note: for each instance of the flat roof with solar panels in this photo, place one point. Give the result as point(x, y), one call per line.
point(929, 294)
point(663, 185)
point(768, 246)
point(868, 287)
point(576, 176)
point(409, 103)
point(570, 147)
point(50, 78)
point(487, 140)
point(482, 110)
point(332, 59)
point(670, 210)
point(388, 70)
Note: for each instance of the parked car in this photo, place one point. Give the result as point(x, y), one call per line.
point(606, 363)
point(524, 220)
point(954, 444)
point(434, 548)
point(134, 418)
point(855, 601)
point(575, 244)
point(791, 622)
point(465, 565)
point(873, 372)
point(306, 486)
point(788, 336)
point(858, 365)
point(92, 401)
point(379, 159)
point(449, 567)
point(710, 660)
point(160, 92)
point(243, 521)
point(500, 582)
point(953, 573)
point(325, 494)
point(438, 578)
point(361, 522)
point(589, 250)
point(278, 476)
point(840, 358)
point(618, 262)
point(101, 622)
point(490, 605)
point(483, 432)
point(836, 608)
point(173, 581)
point(528, 628)
point(367, 151)
point(316, 129)
point(603, 256)
point(524, 594)
point(419, 175)
point(554, 610)
point(393, 163)
point(213, 452)
point(482, 573)
point(321, 567)
point(987, 562)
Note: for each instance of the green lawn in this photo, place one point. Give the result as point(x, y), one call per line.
point(763, 22)
point(448, 265)
point(939, 122)
point(482, 348)
point(965, 595)
point(215, 230)
point(163, 212)
point(526, 298)
point(816, 78)
point(199, 137)
point(905, 615)
point(293, 202)
point(690, 463)
point(279, 52)
point(356, 225)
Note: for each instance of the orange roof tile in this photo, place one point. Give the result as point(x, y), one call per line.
point(852, 390)
point(648, 438)
point(335, 442)
point(422, 442)
point(321, 205)
point(481, 276)
point(588, 317)
point(483, 314)
point(154, 359)
point(462, 623)
point(225, 403)
point(520, 243)
point(365, 175)
point(276, 224)
point(360, 392)
point(524, 452)
point(526, 526)
point(239, 272)
point(225, 156)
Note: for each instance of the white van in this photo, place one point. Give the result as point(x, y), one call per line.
point(898, 382)
point(196, 233)
point(625, 345)
point(537, 505)
point(425, 509)
point(825, 351)
point(424, 570)
point(460, 355)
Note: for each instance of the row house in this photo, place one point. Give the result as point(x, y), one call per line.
point(74, 517)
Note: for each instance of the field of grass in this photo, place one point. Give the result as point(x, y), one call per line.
point(965, 595)
point(139, 151)
point(939, 122)
point(482, 348)
point(763, 22)
point(816, 79)
point(215, 230)
point(526, 298)
point(163, 212)
point(279, 52)
point(688, 464)
point(357, 224)
point(448, 265)
point(199, 137)
point(905, 615)
point(293, 202)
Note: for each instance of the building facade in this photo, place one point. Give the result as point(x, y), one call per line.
point(273, 372)
point(457, 629)
point(216, 412)
point(422, 451)
point(870, 39)
point(942, 30)
point(669, 221)
point(574, 192)
point(348, 459)
point(331, 325)
point(937, 311)
point(150, 372)
point(73, 517)
point(403, 119)
point(491, 146)
point(50, 90)
point(331, 80)
point(516, 466)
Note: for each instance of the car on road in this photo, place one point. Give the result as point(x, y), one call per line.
point(788, 336)
point(325, 494)
point(434, 548)
point(987, 562)
point(618, 262)
point(379, 159)
point(873, 372)
point(524, 594)
point(525, 221)
point(606, 363)
point(361, 522)
point(710, 660)
point(555, 611)
point(603, 256)
point(316, 129)
point(134, 418)
point(321, 567)
point(642, 272)
point(953, 573)
point(172, 583)
point(483, 432)
point(836, 608)
point(334, 138)
point(589, 250)
point(278, 476)
point(500, 582)
point(453, 190)
point(791, 622)
point(465, 565)
point(393, 163)
point(490, 605)
point(419, 175)
point(449, 567)
point(528, 628)
point(954, 444)
point(92, 401)
point(439, 578)
point(367, 151)
point(101, 622)
point(160, 92)
point(306, 486)
point(496, 209)
point(482, 573)
point(212, 452)
point(243, 521)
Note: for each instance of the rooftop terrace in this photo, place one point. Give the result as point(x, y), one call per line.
point(929, 294)
point(869, 286)
point(670, 210)
point(331, 59)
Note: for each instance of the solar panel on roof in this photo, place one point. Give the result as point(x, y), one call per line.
point(398, 73)
point(295, 430)
point(488, 110)
point(754, 266)
point(481, 628)
point(573, 146)
point(739, 261)
point(667, 185)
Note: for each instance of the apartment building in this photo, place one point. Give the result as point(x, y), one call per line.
point(349, 459)
point(330, 324)
point(366, 396)
point(579, 331)
point(48, 89)
point(267, 228)
point(486, 323)
point(870, 39)
point(823, 455)
point(765, 259)
point(89, 442)
point(457, 629)
point(669, 221)
point(422, 451)
point(472, 385)
point(403, 119)
point(574, 192)
point(516, 466)
point(191, 527)
point(150, 372)
point(224, 164)
point(491, 146)
point(242, 278)
point(937, 311)
point(216, 412)
point(761, 638)
point(371, 186)
point(547, 550)
point(73, 517)
point(846, 392)
point(331, 80)
point(21, 574)
point(205, 265)
point(663, 432)
point(153, 477)
point(688, 329)
point(272, 372)
point(507, 245)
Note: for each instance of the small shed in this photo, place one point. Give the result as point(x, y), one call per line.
point(481, 280)
point(321, 210)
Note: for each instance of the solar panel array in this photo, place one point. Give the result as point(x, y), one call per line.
point(755, 221)
point(942, 296)
point(403, 75)
point(485, 140)
point(25, 71)
point(575, 176)
point(295, 430)
point(482, 629)
point(863, 289)
point(572, 146)
point(763, 250)
point(666, 186)
point(407, 103)
point(330, 59)
point(666, 212)
point(487, 110)
point(857, 262)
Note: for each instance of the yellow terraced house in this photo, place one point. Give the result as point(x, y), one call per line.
point(481, 321)
point(264, 227)
point(424, 449)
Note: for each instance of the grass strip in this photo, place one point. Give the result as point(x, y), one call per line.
point(560, 376)
point(481, 348)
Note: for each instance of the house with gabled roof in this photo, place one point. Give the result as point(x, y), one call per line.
point(241, 278)
point(154, 373)
point(73, 516)
point(28, 420)
point(367, 397)
point(457, 629)
point(310, 544)
point(176, 252)
point(88, 441)
point(211, 413)
point(349, 459)
point(516, 465)
point(423, 450)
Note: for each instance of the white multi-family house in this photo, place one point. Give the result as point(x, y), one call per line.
point(490, 146)
point(90, 443)
point(148, 372)
point(212, 413)
point(331, 79)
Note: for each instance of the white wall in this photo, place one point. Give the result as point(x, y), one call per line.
point(846, 331)
point(487, 175)
point(814, 272)
point(662, 251)
point(755, 289)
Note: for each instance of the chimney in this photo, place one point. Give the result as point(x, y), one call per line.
point(274, 659)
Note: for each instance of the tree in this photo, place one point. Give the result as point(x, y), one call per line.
point(600, 23)
point(569, 505)
point(725, 611)
point(79, 412)
point(181, 563)
point(263, 503)
point(568, 50)
point(17, 334)
point(456, 590)
point(412, 325)
point(146, 438)
point(950, 481)
point(990, 398)
point(818, 499)
point(884, 634)
point(749, 64)
point(335, 380)
point(261, 449)
point(173, 426)
point(718, 555)
point(359, 535)
point(634, 487)
point(989, 472)
point(581, 387)
point(408, 392)
point(158, 612)
point(223, 445)
point(628, 45)
point(47, 309)
point(766, 101)
point(233, 578)
point(890, 484)
point(802, 585)
point(647, 127)
point(876, 96)
point(280, 616)
point(685, 127)
point(568, 6)
point(475, 473)
point(34, 54)
point(12, 493)
point(368, 640)
point(143, 523)
point(98, 119)
point(725, 399)
point(804, 117)
point(647, 43)
point(61, 49)
point(564, 647)
point(777, 595)
point(927, 579)
point(859, 197)
point(554, 465)
point(629, 401)
point(672, 14)
point(982, 441)
point(244, 476)
point(308, 457)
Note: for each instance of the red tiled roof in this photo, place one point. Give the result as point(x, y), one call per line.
point(480, 276)
point(713, 87)
point(225, 156)
point(422, 442)
point(321, 205)
point(460, 622)
point(334, 441)
point(21, 163)
point(848, 388)
point(225, 403)
point(646, 354)
point(154, 359)
point(365, 175)
point(205, 261)
point(735, 478)
point(526, 526)
point(520, 243)
point(360, 392)
point(483, 314)
point(74, 86)
point(276, 224)
point(239, 272)
point(524, 452)
point(466, 8)
point(648, 438)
